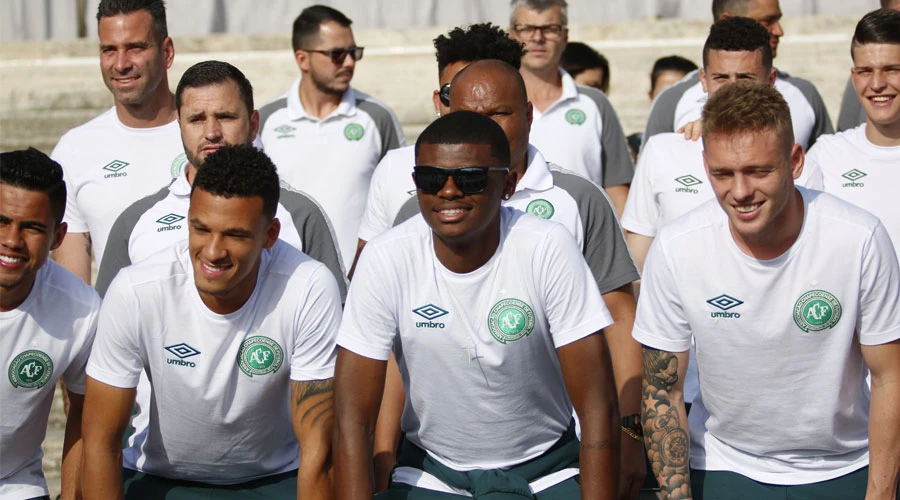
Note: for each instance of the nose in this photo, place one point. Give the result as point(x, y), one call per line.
point(741, 188)
point(879, 82)
point(212, 130)
point(10, 236)
point(450, 191)
point(776, 29)
point(214, 249)
point(122, 62)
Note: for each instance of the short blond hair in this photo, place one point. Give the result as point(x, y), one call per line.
point(752, 107)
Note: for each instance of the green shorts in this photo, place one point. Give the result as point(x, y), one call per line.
point(141, 486)
point(713, 485)
point(566, 490)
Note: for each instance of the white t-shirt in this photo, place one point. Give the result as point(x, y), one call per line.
point(331, 159)
point(478, 341)
point(392, 185)
point(783, 394)
point(219, 409)
point(108, 166)
point(46, 338)
point(855, 170)
point(581, 132)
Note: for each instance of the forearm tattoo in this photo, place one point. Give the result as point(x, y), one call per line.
point(316, 399)
point(666, 441)
point(88, 244)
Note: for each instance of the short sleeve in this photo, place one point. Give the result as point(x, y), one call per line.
point(74, 376)
point(73, 217)
point(316, 331)
point(572, 301)
point(880, 291)
point(376, 219)
point(369, 324)
point(618, 165)
point(661, 322)
point(116, 358)
point(641, 215)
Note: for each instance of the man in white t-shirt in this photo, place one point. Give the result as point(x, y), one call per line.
point(227, 329)
point(574, 126)
point(325, 136)
point(862, 165)
point(47, 319)
point(496, 325)
point(852, 113)
point(131, 150)
point(790, 295)
point(682, 103)
point(215, 109)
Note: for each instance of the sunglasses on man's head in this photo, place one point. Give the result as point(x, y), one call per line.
point(337, 55)
point(469, 180)
point(444, 94)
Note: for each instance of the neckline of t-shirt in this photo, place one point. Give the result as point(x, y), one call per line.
point(263, 265)
point(875, 148)
point(465, 278)
point(143, 130)
point(776, 261)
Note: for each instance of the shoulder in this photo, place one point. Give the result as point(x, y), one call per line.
point(270, 108)
point(595, 97)
point(672, 95)
point(836, 214)
point(528, 230)
point(89, 129)
point(163, 270)
point(134, 211)
point(377, 110)
point(295, 201)
point(290, 264)
point(578, 187)
point(788, 84)
point(705, 218)
point(59, 287)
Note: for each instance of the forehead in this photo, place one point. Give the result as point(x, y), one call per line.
point(734, 60)
point(24, 204)
point(332, 34)
point(482, 89)
point(744, 149)
point(215, 95)
point(219, 212)
point(876, 54)
point(122, 28)
point(454, 155)
point(451, 70)
point(759, 10)
point(550, 15)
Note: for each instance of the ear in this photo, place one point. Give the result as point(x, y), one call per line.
point(168, 48)
point(272, 233)
point(436, 101)
point(302, 59)
point(59, 234)
point(254, 125)
point(772, 76)
point(798, 159)
point(512, 178)
point(529, 114)
point(702, 81)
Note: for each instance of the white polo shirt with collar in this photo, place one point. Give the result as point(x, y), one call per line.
point(331, 159)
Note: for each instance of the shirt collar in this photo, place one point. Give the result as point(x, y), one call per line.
point(347, 107)
point(537, 177)
point(180, 185)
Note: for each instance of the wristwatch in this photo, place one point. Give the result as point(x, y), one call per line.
point(632, 424)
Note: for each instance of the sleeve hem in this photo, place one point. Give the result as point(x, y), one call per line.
point(365, 350)
point(582, 330)
point(101, 375)
point(656, 342)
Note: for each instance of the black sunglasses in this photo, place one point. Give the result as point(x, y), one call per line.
point(337, 55)
point(469, 180)
point(444, 94)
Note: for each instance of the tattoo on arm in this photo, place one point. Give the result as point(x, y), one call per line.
point(666, 440)
point(88, 244)
point(316, 399)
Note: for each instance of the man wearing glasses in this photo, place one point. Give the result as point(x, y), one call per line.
point(325, 137)
point(573, 126)
point(513, 342)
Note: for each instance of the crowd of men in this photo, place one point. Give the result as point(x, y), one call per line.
point(525, 313)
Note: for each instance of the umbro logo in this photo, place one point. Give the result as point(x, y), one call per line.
point(724, 302)
point(182, 351)
point(168, 222)
point(688, 182)
point(853, 176)
point(430, 312)
point(284, 131)
point(115, 166)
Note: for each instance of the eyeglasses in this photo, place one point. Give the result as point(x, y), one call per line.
point(469, 180)
point(444, 94)
point(337, 55)
point(549, 31)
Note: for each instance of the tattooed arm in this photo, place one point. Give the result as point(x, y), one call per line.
point(74, 254)
point(665, 421)
point(312, 411)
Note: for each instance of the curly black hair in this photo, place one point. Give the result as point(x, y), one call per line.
point(242, 171)
point(735, 34)
point(32, 170)
point(477, 42)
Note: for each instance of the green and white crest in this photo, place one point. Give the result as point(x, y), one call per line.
point(510, 320)
point(178, 165)
point(30, 369)
point(817, 310)
point(541, 208)
point(259, 355)
point(354, 132)
point(575, 116)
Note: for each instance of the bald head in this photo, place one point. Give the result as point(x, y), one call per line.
point(495, 89)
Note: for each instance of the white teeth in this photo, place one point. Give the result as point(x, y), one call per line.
point(11, 260)
point(881, 99)
point(744, 209)
point(455, 211)
point(211, 268)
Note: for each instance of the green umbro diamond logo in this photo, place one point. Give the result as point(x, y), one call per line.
point(853, 175)
point(285, 129)
point(116, 165)
point(688, 180)
point(170, 219)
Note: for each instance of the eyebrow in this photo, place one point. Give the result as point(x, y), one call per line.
point(25, 223)
point(233, 231)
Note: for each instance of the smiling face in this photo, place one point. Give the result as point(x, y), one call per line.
point(328, 77)
point(876, 78)
point(459, 220)
point(226, 239)
point(28, 232)
point(132, 61)
point(752, 175)
point(725, 66)
point(542, 50)
point(213, 116)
